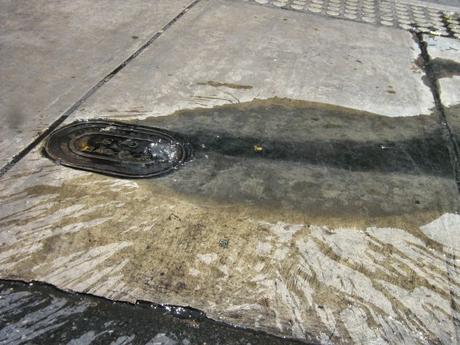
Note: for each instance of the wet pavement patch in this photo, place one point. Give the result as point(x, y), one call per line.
point(445, 68)
point(312, 159)
point(259, 229)
point(40, 314)
point(314, 133)
point(283, 155)
point(117, 149)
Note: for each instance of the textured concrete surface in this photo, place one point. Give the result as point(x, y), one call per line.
point(445, 60)
point(454, 4)
point(52, 52)
point(445, 54)
point(346, 254)
point(237, 52)
point(415, 16)
point(341, 228)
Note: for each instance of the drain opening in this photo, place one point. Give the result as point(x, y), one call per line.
point(117, 149)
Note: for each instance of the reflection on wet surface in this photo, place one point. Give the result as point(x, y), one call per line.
point(327, 247)
point(40, 314)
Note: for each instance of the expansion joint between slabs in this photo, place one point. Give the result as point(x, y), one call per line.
point(91, 91)
point(452, 145)
point(454, 153)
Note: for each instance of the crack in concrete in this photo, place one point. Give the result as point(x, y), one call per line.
point(91, 91)
point(432, 81)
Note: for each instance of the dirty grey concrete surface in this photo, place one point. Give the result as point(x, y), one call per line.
point(238, 52)
point(445, 58)
point(53, 52)
point(444, 61)
point(293, 226)
point(321, 203)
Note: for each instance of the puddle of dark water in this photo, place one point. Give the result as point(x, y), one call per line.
point(40, 314)
point(312, 158)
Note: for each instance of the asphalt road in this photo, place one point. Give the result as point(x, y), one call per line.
point(40, 314)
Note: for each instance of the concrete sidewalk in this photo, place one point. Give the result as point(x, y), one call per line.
point(322, 201)
point(54, 52)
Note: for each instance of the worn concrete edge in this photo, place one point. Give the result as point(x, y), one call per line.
point(168, 309)
point(16, 158)
point(454, 153)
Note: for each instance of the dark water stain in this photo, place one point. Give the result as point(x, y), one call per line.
point(312, 162)
point(453, 118)
point(255, 157)
point(445, 68)
point(41, 314)
point(312, 158)
point(228, 85)
point(315, 134)
point(424, 154)
point(452, 114)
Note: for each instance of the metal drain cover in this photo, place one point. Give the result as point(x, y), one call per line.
point(117, 149)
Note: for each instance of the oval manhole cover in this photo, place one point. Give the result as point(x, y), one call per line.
point(117, 149)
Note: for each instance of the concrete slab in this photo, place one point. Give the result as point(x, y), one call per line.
point(445, 57)
point(237, 52)
point(314, 251)
point(445, 53)
point(52, 52)
point(331, 231)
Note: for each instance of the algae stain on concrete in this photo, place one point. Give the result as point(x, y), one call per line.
point(315, 244)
